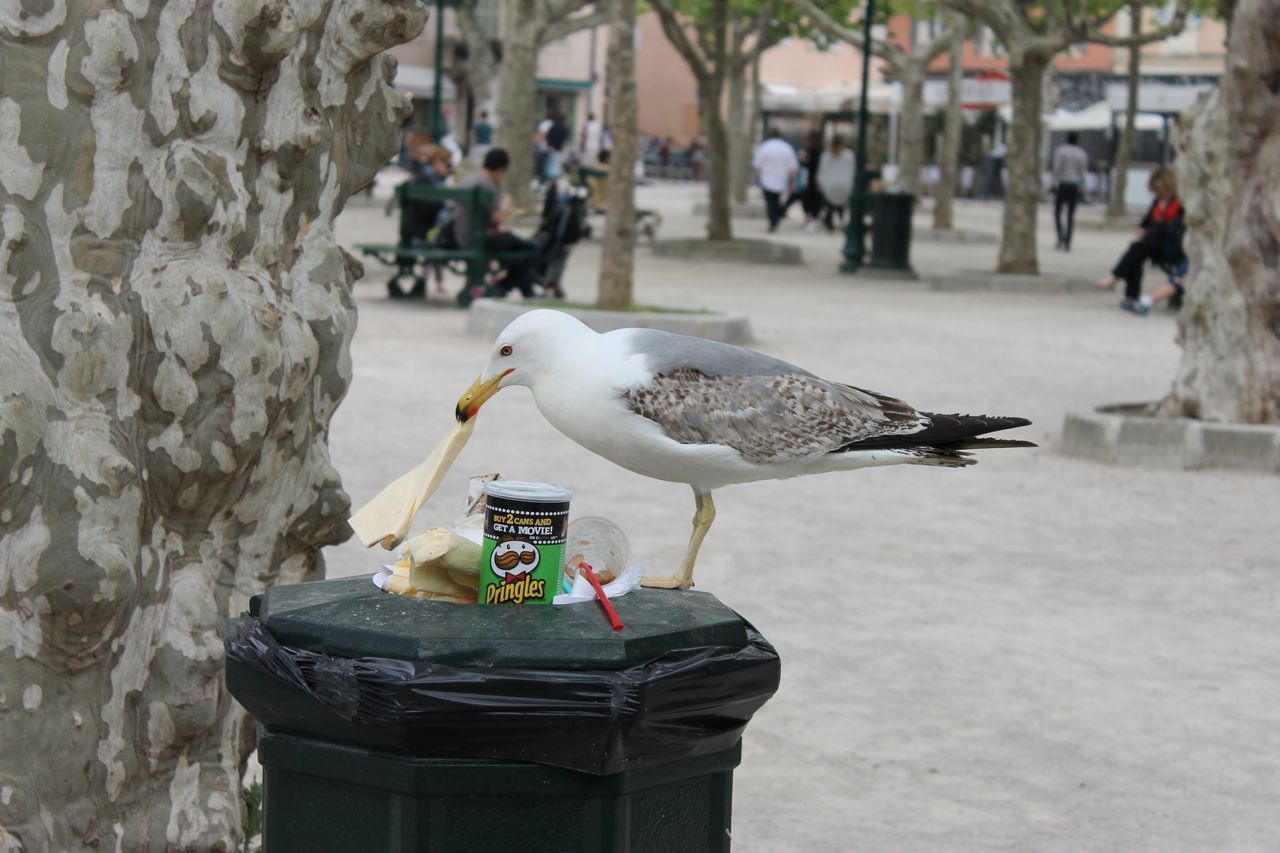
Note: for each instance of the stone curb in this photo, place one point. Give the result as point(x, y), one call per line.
point(955, 235)
point(968, 281)
point(487, 317)
point(1110, 435)
point(741, 251)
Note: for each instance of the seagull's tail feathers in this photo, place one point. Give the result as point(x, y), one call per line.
point(945, 434)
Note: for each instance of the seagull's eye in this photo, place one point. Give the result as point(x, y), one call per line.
point(505, 350)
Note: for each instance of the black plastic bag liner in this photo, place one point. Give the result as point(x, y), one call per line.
point(683, 703)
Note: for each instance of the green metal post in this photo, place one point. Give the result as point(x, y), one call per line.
point(854, 242)
point(437, 117)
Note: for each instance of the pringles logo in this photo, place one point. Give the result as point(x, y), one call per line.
point(514, 561)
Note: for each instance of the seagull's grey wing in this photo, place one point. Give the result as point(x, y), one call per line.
point(768, 417)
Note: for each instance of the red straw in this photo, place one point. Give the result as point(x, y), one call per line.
point(604, 599)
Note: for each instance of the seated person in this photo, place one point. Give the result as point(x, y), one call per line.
point(1159, 239)
point(431, 166)
point(418, 217)
point(519, 274)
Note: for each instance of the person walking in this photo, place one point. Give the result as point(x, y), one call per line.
point(835, 180)
point(776, 166)
point(1070, 165)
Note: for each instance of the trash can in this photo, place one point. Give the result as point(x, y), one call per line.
point(392, 723)
point(891, 231)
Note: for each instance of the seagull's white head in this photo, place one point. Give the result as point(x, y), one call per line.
point(532, 344)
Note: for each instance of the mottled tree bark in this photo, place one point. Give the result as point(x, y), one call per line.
point(617, 258)
point(911, 135)
point(1229, 180)
point(949, 157)
point(1124, 147)
point(174, 326)
point(1022, 195)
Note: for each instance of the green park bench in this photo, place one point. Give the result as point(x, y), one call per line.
point(472, 262)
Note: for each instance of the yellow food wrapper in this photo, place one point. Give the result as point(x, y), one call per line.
point(385, 520)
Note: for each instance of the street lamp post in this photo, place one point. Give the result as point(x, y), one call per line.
point(437, 117)
point(854, 232)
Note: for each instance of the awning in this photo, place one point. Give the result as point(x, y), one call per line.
point(419, 81)
point(840, 98)
point(561, 84)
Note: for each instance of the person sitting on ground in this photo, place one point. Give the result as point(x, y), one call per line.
point(1159, 239)
point(1070, 166)
point(835, 179)
point(489, 176)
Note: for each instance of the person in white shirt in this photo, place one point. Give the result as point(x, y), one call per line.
point(589, 145)
point(776, 166)
point(1070, 165)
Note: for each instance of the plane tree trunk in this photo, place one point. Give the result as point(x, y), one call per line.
point(1124, 147)
point(1228, 325)
point(949, 158)
point(1022, 195)
point(617, 258)
point(518, 98)
point(911, 140)
point(175, 320)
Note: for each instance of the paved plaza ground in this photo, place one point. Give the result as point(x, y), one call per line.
point(1035, 653)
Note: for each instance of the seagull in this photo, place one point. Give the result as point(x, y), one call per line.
point(708, 414)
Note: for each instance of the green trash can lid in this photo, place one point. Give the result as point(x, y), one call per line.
point(352, 618)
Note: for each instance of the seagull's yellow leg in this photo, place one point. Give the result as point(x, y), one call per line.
point(703, 515)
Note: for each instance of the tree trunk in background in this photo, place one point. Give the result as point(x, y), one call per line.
point(518, 99)
point(954, 125)
point(1227, 327)
point(739, 132)
point(617, 257)
point(480, 65)
point(719, 220)
point(755, 131)
point(911, 132)
point(1124, 148)
point(175, 320)
point(1022, 195)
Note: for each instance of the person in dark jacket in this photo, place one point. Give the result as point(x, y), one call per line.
point(1159, 239)
point(809, 194)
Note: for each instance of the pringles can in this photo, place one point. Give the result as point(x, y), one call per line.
point(524, 535)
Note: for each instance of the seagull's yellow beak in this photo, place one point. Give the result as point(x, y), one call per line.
point(474, 397)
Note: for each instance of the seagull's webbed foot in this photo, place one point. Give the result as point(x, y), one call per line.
point(704, 514)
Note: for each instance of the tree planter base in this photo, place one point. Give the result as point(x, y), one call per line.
point(744, 251)
point(968, 281)
point(488, 317)
point(737, 209)
point(1123, 435)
